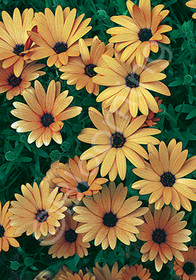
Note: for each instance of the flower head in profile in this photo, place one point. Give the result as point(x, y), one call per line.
point(66, 242)
point(7, 232)
point(44, 112)
point(164, 236)
point(58, 34)
point(15, 43)
point(140, 33)
point(37, 210)
point(135, 272)
point(129, 85)
point(114, 140)
point(13, 85)
point(108, 216)
point(192, 4)
point(80, 70)
point(104, 273)
point(186, 269)
point(164, 176)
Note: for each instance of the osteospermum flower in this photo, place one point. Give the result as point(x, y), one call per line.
point(7, 232)
point(58, 34)
point(128, 85)
point(192, 4)
point(104, 273)
point(13, 85)
point(37, 210)
point(135, 272)
point(80, 70)
point(164, 236)
point(186, 270)
point(66, 274)
point(115, 139)
point(163, 177)
point(107, 216)
point(14, 40)
point(66, 242)
point(141, 32)
point(44, 113)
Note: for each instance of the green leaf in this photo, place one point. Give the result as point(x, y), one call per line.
point(191, 115)
point(14, 265)
point(10, 156)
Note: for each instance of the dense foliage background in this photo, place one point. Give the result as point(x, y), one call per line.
point(21, 163)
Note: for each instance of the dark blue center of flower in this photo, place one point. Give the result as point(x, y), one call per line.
point(41, 216)
point(89, 70)
point(117, 140)
point(47, 119)
point(145, 34)
point(14, 81)
point(132, 80)
point(82, 187)
point(18, 49)
point(189, 268)
point(135, 278)
point(110, 219)
point(2, 231)
point(60, 47)
point(159, 236)
point(167, 179)
point(70, 235)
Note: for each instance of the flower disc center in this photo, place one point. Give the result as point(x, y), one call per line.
point(89, 70)
point(145, 34)
point(132, 80)
point(2, 231)
point(83, 187)
point(60, 47)
point(70, 235)
point(110, 219)
point(18, 49)
point(47, 119)
point(167, 179)
point(159, 236)
point(41, 216)
point(117, 140)
point(14, 81)
point(189, 268)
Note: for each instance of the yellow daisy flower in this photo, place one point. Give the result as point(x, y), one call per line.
point(135, 272)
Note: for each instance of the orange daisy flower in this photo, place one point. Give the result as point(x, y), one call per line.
point(58, 35)
point(116, 139)
point(38, 210)
point(16, 85)
point(141, 32)
point(135, 272)
point(104, 273)
point(80, 70)
point(108, 216)
point(44, 113)
point(75, 276)
point(163, 177)
point(186, 270)
point(14, 40)
point(192, 4)
point(128, 85)
point(164, 234)
point(7, 232)
point(66, 242)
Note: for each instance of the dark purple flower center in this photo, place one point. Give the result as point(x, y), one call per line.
point(83, 187)
point(47, 119)
point(132, 80)
point(89, 70)
point(145, 34)
point(70, 235)
point(189, 268)
point(14, 81)
point(18, 49)
point(159, 236)
point(167, 179)
point(41, 216)
point(2, 231)
point(117, 140)
point(60, 47)
point(110, 219)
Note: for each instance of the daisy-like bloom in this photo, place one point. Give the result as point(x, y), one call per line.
point(37, 210)
point(135, 272)
point(192, 4)
point(66, 242)
point(16, 85)
point(141, 32)
point(7, 232)
point(116, 139)
point(108, 216)
point(75, 276)
point(163, 177)
point(128, 85)
point(186, 269)
point(14, 40)
point(164, 234)
point(104, 273)
point(80, 70)
point(44, 112)
point(58, 35)
point(75, 180)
